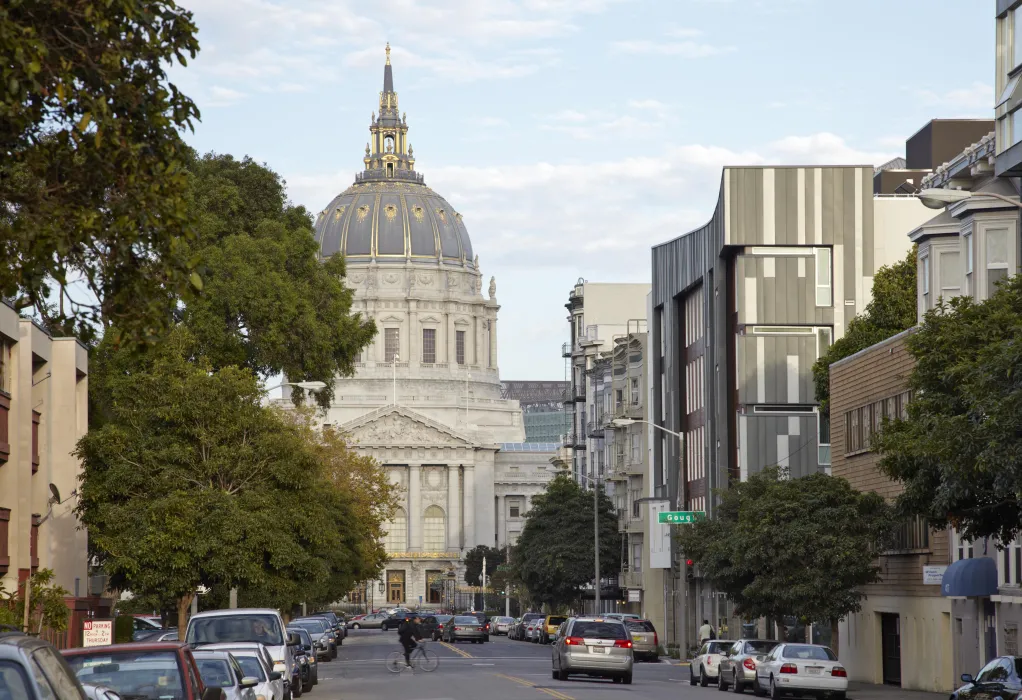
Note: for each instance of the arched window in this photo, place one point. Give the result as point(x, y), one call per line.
point(434, 530)
point(396, 540)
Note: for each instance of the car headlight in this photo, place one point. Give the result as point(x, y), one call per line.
point(260, 697)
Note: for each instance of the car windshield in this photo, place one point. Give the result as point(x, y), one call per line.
point(215, 672)
point(719, 647)
point(311, 625)
point(13, 684)
point(804, 651)
point(556, 620)
point(505, 620)
point(465, 620)
point(443, 618)
point(640, 626)
point(303, 634)
point(264, 629)
point(250, 666)
point(759, 647)
point(599, 630)
point(135, 675)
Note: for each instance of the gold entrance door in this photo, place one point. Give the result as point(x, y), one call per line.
point(395, 586)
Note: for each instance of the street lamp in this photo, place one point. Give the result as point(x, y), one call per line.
point(938, 198)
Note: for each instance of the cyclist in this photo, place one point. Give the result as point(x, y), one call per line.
point(410, 635)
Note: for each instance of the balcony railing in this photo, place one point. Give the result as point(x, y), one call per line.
point(578, 392)
point(594, 428)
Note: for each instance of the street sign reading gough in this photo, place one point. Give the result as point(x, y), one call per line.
point(680, 517)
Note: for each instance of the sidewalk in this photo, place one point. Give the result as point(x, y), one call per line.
point(858, 690)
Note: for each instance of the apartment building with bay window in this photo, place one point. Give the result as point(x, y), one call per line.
point(741, 309)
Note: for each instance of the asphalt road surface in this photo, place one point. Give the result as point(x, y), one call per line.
point(498, 670)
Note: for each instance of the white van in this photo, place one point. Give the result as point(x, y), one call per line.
point(261, 625)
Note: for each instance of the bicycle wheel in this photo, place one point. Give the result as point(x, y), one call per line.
point(428, 660)
point(395, 661)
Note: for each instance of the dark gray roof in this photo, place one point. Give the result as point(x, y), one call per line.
point(533, 391)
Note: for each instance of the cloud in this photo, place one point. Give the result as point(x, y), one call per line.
point(222, 96)
point(681, 49)
point(652, 115)
point(976, 99)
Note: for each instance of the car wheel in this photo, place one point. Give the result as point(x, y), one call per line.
point(721, 683)
point(627, 680)
point(703, 680)
point(692, 677)
point(562, 675)
point(356, 626)
point(838, 695)
point(617, 679)
point(737, 686)
point(775, 692)
point(296, 690)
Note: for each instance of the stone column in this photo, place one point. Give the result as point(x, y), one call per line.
point(493, 343)
point(453, 508)
point(414, 336)
point(414, 508)
point(501, 520)
point(470, 507)
point(452, 345)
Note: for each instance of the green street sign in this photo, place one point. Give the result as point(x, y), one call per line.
point(680, 517)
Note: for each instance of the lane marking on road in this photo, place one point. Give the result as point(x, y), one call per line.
point(529, 684)
point(484, 664)
point(456, 650)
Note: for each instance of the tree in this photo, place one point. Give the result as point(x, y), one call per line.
point(92, 188)
point(193, 482)
point(892, 310)
point(780, 546)
point(268, 302)
point(46, 600)
point(555, 554)
point(474, 563)
point(959, 452)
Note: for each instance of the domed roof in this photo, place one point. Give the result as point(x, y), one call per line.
point(392, 222)
point(388, 214)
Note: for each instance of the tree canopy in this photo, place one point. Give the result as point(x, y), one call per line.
point(959, 452)
point(554, 557)
point(892, 310)
point(92, 183)
point(780, 546)
point(268, 302)
point(474, 563)
point(193, 482)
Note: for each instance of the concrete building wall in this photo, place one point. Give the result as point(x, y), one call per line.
point(43, 414)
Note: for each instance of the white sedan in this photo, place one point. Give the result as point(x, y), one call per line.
point(705, 665)
point(801, 669)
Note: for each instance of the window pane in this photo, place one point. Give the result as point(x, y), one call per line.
point(823, 266)
point(1016, 126)
point(968, 253)
point(997, 246)
point(924, 263)
point(460, 346)
point(391, 343)
point(993, 277)
point(1016, 17)
point(950, 270)
point(434, 531)
point(428, 345)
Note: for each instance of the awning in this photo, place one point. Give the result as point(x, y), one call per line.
point(970, 578)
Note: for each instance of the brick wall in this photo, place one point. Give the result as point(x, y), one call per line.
point(874, 375)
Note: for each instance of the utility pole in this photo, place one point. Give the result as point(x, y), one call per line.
point(484, 584)
point(596, 530)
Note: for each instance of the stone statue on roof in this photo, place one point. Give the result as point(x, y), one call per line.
point(493, 287)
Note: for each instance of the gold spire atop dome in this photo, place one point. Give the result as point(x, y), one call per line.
point(388, 53)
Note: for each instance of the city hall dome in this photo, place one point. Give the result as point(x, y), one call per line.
point(389, 215)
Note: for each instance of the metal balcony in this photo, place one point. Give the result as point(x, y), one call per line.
point(566, 349)
point(578, 392)
point(594, 429)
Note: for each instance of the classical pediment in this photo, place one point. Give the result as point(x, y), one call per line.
point(400, 427)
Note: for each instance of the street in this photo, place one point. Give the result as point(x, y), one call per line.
point(500, 669)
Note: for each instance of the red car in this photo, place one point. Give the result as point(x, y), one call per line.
point(156, 671)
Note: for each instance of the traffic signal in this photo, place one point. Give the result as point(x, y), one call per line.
point(690, 571)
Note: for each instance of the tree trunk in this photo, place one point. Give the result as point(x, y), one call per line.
point(834, 639)
point(184, 604)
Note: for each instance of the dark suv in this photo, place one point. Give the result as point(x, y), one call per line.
point(22, 658)
point(395, 620)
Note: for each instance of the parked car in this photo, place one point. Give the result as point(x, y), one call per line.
point(310, 664)
point(645, 642)
point(623, 617)
point(219, 669)
point(145, 627)
point(322, 636)
point(335, 624)
point(532, 628)
point(593, 646)
point(1001, 677)
point(502, 625)
point(256, 661)
point(141, 671)
point(703, 668)
point(260, 625)
point(23, 655)
point(548, 628)
point(431, 626)
point(801, 669)
point(737, 668)
point(521, 633)
point(465, 628)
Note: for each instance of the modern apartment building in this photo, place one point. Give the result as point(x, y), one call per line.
point(43, 413)
point(543, 408)
point(597, 313)
point(741, 310)
point(1008, 89)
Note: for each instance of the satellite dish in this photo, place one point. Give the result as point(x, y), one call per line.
point(55, 492)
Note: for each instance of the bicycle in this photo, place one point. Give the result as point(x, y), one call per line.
point(421, 657)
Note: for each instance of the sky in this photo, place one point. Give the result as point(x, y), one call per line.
point(575, 134)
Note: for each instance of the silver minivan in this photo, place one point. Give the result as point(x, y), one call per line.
point(261, 625)
point(593, 646)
